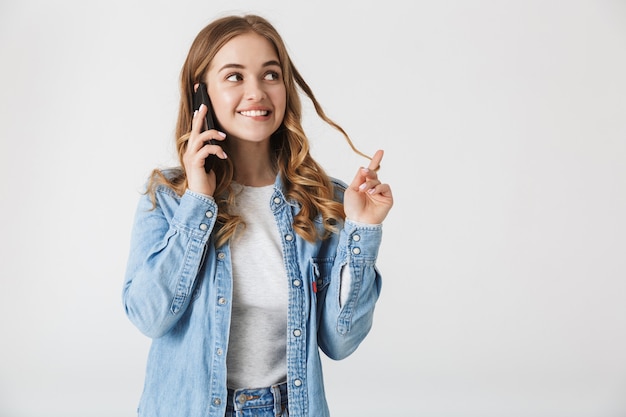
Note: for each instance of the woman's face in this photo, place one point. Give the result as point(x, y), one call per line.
point(245, 84)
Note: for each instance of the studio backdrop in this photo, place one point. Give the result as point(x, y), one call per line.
point(503, 259)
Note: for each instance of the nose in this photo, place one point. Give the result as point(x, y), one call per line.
point(254, 90)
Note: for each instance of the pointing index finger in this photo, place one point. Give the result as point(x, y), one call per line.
point(375, 162)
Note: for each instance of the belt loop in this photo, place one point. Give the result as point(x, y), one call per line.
point(278, 408)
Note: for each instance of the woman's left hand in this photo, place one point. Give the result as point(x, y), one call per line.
point(366, 199)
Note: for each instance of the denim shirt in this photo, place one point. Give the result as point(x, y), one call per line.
point(178, 292)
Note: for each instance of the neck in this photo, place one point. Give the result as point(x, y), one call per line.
point(253, 166)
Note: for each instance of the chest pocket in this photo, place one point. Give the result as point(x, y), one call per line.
point(320, 280)
point(322, 268)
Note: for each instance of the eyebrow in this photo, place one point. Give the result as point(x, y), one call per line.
point(265, 64)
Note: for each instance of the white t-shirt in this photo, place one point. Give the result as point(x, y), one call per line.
point(257, 355)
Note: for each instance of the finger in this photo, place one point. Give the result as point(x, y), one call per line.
point(381, 196)
point(359, 178)
point(213, 149)
point(197, 122)
point(214, 134)
point(368, 185)
point(375, 162)
point(363, 174)
point(208, 139)
point(381, 189)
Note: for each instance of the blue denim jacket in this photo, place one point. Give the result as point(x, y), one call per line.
point(178, 290)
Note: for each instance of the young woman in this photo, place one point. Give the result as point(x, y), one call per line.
point(243, 274)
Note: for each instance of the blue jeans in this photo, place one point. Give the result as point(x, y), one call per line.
point(258, 402)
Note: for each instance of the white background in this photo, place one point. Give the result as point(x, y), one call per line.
point(504, 126)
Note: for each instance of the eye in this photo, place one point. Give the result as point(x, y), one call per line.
point(234, 77)
point(272, 76)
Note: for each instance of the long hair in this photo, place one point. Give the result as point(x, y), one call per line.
point(304, 179)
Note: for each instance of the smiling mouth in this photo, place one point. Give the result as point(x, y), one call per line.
point(254, 113)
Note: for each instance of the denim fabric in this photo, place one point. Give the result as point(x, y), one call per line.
point(178, 288)
point(258, 402)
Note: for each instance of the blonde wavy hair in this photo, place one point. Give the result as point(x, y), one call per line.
point(304, 179)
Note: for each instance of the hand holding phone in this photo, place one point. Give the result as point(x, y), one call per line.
point(201, 96)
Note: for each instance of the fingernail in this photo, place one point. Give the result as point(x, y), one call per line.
point(195, 112)
point(362, 186)
point(371, 191)
point(365, 170)
point(222, 134)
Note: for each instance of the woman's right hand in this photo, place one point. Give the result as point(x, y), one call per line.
point(198, 149)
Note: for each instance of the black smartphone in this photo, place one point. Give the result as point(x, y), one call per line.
point(201, 96)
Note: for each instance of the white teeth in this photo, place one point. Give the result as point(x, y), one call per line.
point(254, 113)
